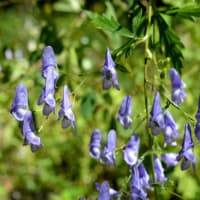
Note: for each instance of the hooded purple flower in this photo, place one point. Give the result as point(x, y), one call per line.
point(144, 177)
point(47, 95)
point(95, 144)
point(105, 192)
point(159, 171)
point(109, 74)
point(157, 122)
point(125, 112)
point(170, 159)
point(131, 150)
point(178, 94)
point(66, 110)
point(108, 153)
point(170, 130)
point(20, 102)
point(28, 131)
point(197, 127)
point(49, 62)
point(186, 153)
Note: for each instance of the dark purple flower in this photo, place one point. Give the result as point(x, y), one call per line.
point(170, 159)
point(144, 177)
point(28, 131)
point(108, 153)
point(95, 144)
point(197, 127)
point(105, 192)
point(157, 122)
point(20, 102)
point(47, 95)
point(109, 74)
point(170, 130)
point(186, 153)
point(49, 62)
point(66, 110)
point(124, 115)
point(159, 171)
point(131, 150)
point(178, 94)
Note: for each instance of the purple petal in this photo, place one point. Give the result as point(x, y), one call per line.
point(198, 111)
point(178, 96)
point(156, 108)
point(176, 81)
point(103, 191)
point(144, 177)
point(109, 63)
point(197, 131)
point(170, 159)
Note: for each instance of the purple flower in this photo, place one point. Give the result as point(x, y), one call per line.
point(49, 62)
point(159, 171)
point(108, 153)
point(186, 153)
point(125, 112)
point(157, 122)
point(28, 131)
point(47, 95)
point(170, 159)
point(105, 192)
point(109, 74)
point(178, 94)
point(66, 110)
point(144, 177)
point(20, 102)
point(131, 150)
point(170, 130)
point(197, 127)
point(95, 144)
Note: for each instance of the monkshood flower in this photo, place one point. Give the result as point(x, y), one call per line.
point(108, 153)
point(130, 153)
point(47, 95)
point(95, 144)
point(157, 122)
point(105, 192)
point(125, 111)
point(178, 94)
point(109, 74)
point(28, 131)
point(20, 102)
point(144, 177)
point(170, 159)
point(66, 110)
point(197, 127)
point(186, 153)
point(159, 171)
point(49, 62)
point(170, 130)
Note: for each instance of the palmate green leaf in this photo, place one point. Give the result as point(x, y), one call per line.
point(108, 24)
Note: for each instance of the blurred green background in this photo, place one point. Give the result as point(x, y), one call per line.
point(63, 169)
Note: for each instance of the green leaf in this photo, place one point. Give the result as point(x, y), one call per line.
point(122, 68)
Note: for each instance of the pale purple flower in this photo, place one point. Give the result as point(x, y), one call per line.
point(108, 153)
point(170, 159)
point(109, 74)
point(178, 94)
point(186, 153)
point(20, 102)
point(197, 127)
point(28, 131)
point(66, 110)
point(157, 122)
point(159, 171)
point(130, 153)
point(125, 111)
point(95, 144)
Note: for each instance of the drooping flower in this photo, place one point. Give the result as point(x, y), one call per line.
point(170, 130)
point(197, 127)
point(125, 111)
point(157, 122)
point(28, 131)
point(49, 62)
point(170, 159)
point(66, 110)
point(95, 144)
point(109, 74)
point(186, 152)
point(47, 95)
point(130, 153)
point(178, 94)
point(20, 102)
point(108, 153)
point(105, 192)
point(159, 171)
